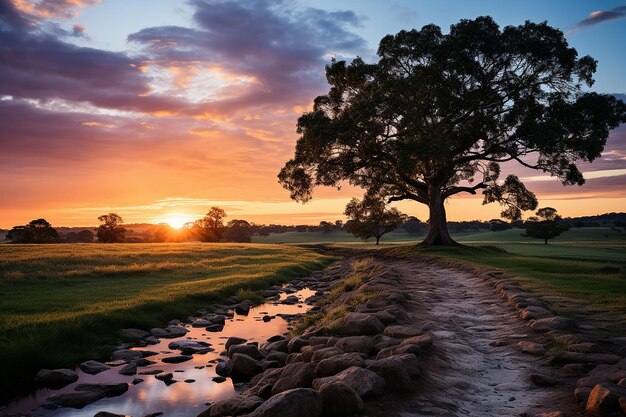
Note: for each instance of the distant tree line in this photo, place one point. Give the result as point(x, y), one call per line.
point(366, 219)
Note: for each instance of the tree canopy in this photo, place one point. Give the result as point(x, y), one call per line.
point(36, 231)
point(438, 114)
point(111, 229)
point(546, 224)
point(210, 228)
point(371, 218)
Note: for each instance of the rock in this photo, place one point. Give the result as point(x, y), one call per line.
point(399, 350)
point(296, 344)
point(299, 402)
point(223, 368)
point(604, 400)
point(93, 367)
point(244, 366)
point(402, 331)
point(276, 338)
point(189, 346)
point(219, 319)
point(175, 331)
point(338, 399)
point(214, 328)
point(393, 371)
point(133, 334)
point(235, 406)
point(55, 378)
point(243, 308)
point(534, 312)
point(164, 377)
point(107, 414)
point(365, 383)
point(411, 363)
point(552, 323)
point(137, 381)
point(357, 324)
point(325, 353)
point(295, 375)
point(279, 345)
point(622, 404)
point(218, 379)
point(176, 359)
point(157, 332)
point(531, 347)
point(336, 364)
point(424, 341)
point(109, 390)
point(127, 355)
point(201, 323)
point(76, 399)
point(543, 380)
point(231, 341)
point(290, 300)
point(363, 344)
point(130, 369)
point(581, 394)
point(250, 350)
point(277, 356)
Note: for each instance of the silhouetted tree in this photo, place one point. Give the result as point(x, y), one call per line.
point(371, 218)
point(111, 230)
point(238, 231)
point(210, 228)
point(546, 225)
point(85, 236)
point(438, 113)
point(497, 225)
point(326, 227)
point(413, 225)
point(36, 231)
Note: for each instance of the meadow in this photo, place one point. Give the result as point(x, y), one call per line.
point(61, 304)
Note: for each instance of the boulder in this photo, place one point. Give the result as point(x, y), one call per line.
point(552, 323)
point(531, 348)
point(334, 365)
point(174, 331)
point(402, 331)
point(55, 378)
point(399, 350)
point(218, 319)
point(299, 402)
point(93, 367)
point(339, 400)
point(325, 353)
point(164, 377)
point(76, 399)
point(296, 344)
point(295, 375)
point(213, 328)
point(277, 356)
point(133, 334)
point(126, 355)
point(250, 350)
point(109, 390)
point(176, 359)
point(604, 400)
point(243, 308)
point(357, 324)
point(129, 369)
point(223, 368)
point(364, 382)
point(243, 366)
point(362, 344)
point(279, 345)
point(543, 380)
point(394, 372)
point(424, 341)
point(201, 323)
point(235, 406)
point(233, 340)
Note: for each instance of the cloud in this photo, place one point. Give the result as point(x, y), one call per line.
point(47, 9)
point(282, 50)
point(600, 16)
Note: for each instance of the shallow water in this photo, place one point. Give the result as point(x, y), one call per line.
point(181, 398)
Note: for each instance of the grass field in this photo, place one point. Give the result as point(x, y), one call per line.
point(60, 304)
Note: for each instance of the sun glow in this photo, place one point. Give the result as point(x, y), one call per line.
point(177, 221)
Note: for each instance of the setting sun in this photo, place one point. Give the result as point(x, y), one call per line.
point(178, 220)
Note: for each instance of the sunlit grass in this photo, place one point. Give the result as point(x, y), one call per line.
point(60, 304)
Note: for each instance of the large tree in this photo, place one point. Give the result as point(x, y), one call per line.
point(36, 231)
point(438, 114)
point(546, 224)
point(210, 228)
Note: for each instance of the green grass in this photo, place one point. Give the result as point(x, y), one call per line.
point(577, 272)
point(61, 304)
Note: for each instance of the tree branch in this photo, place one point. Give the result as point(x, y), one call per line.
point(455, 190)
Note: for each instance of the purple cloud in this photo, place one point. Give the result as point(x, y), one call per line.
point(600, 16)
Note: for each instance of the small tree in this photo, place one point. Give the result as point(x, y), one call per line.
point(238, 231)
point(546, 225)
point(210, 228)
point(111, 230)
point(371, 218)
point(85, 236)
point(497, 225)
point(37, 231)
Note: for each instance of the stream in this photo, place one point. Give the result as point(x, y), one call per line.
point(194, 386)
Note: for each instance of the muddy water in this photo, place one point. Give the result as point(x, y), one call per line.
point(194, 387)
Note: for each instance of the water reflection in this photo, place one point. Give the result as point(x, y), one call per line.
point(180, 398)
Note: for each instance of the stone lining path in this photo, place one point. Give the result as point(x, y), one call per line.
point(475, 367)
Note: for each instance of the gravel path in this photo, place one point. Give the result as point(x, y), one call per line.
point(475, 367)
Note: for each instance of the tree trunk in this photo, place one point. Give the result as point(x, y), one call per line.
point(437, 226)
point(546, 241)
point(377, 239)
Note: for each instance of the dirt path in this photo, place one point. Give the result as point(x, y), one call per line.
point(475, 367)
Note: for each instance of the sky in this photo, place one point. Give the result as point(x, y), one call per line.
point(160, 109)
